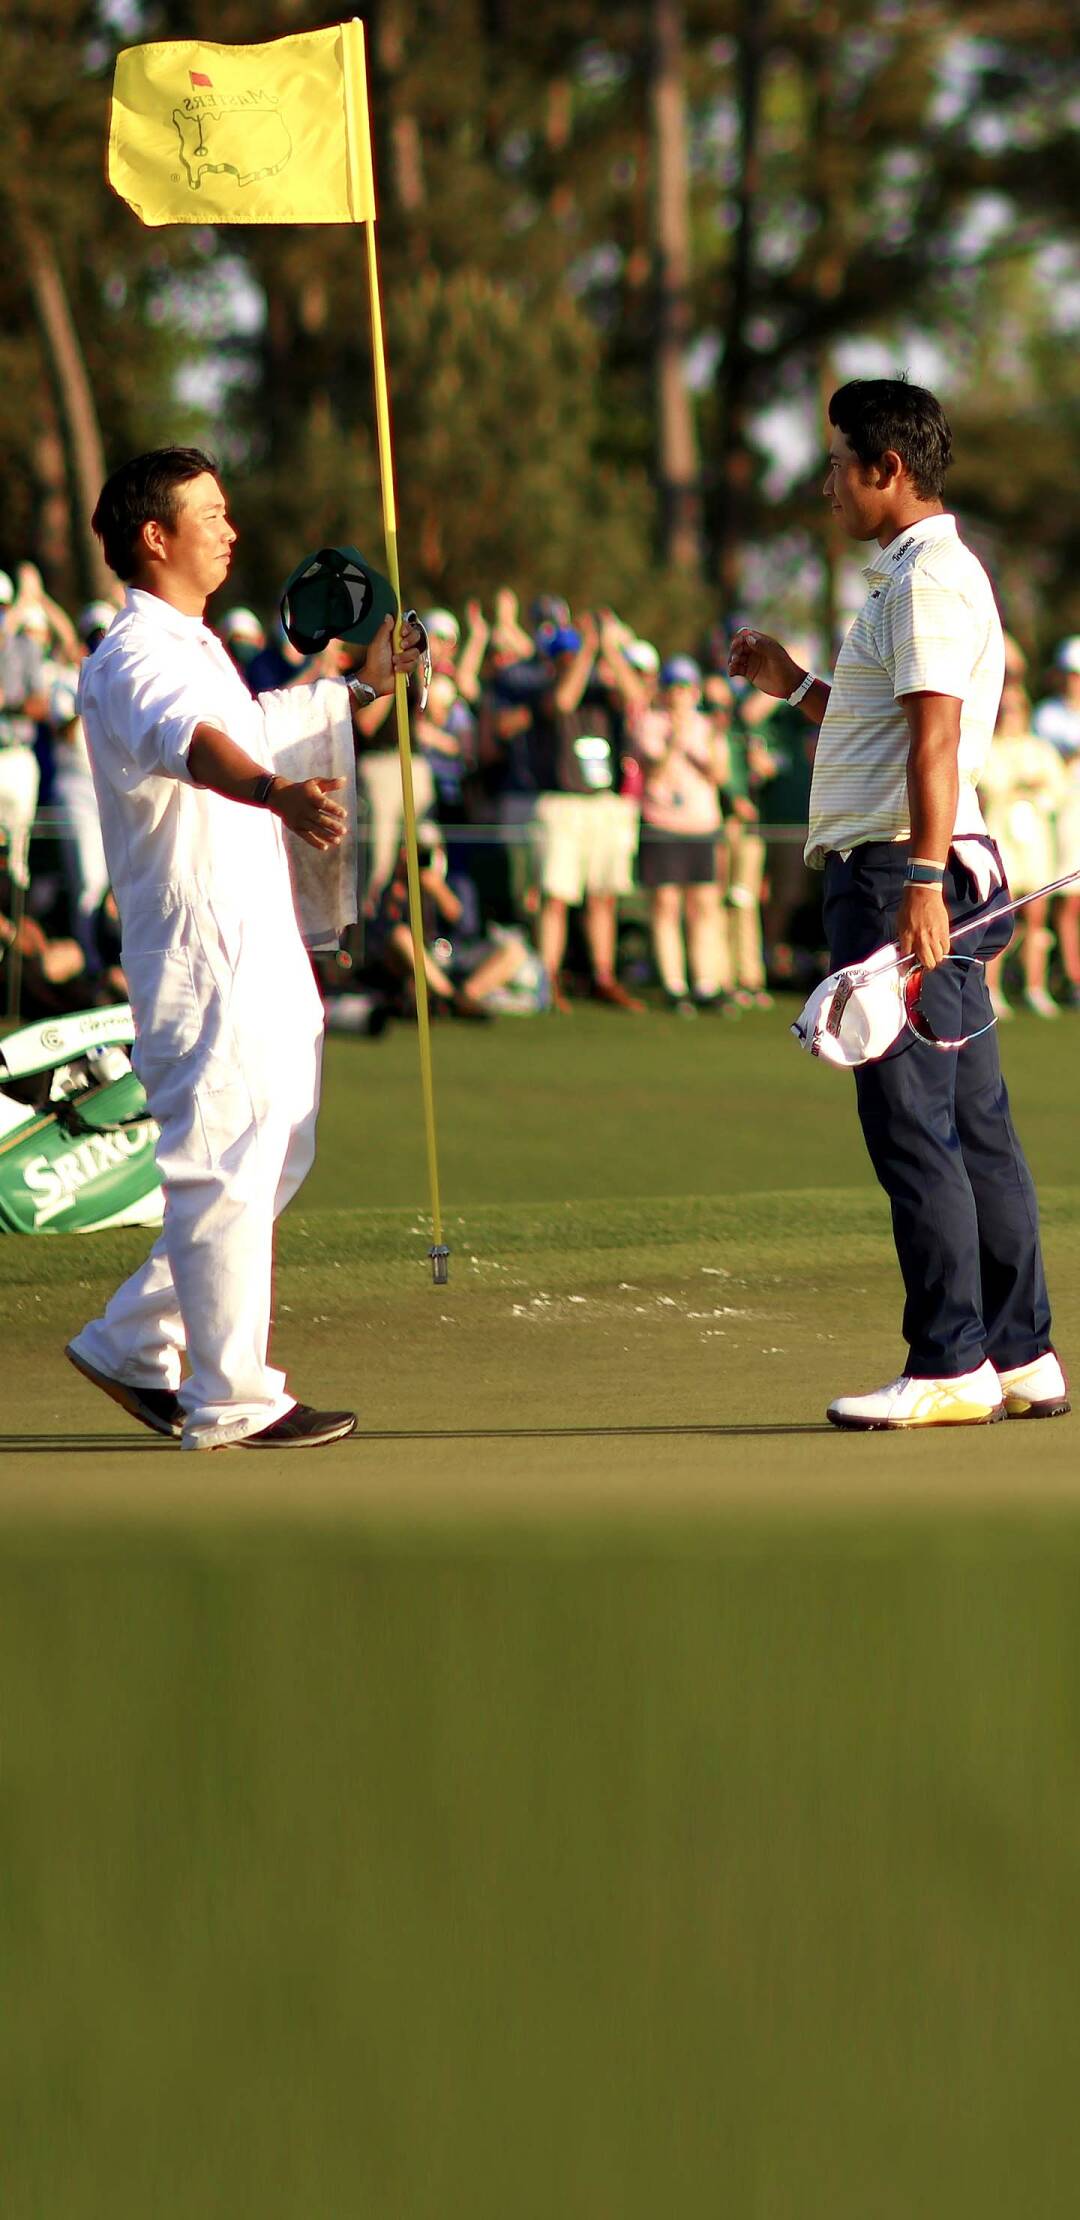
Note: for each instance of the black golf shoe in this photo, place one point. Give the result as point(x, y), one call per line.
point(303, 1428)
point(157, 1408)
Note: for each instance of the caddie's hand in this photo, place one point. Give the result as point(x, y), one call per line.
point(764, 663)
point(922, 926)
point(307, 808)
point(383, 660)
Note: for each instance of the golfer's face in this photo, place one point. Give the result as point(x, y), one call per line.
point(852, 499)
point(203, 538)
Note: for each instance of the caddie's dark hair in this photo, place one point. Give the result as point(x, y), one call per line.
point(143, 491)
point(879, 414)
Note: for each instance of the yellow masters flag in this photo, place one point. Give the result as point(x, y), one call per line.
point(274, 134)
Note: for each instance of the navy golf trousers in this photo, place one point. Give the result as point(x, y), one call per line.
point(941, 1139)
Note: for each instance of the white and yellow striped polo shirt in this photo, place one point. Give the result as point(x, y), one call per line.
point(929, 625)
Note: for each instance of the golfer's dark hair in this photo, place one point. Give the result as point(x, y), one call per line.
point(879, 414)
point(143, 491)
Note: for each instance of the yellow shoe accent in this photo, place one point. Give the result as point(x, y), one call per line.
point(938, 1408)
point(1036, 1390)
point(970, 1399)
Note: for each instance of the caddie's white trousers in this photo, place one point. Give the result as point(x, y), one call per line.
point(229, 1054)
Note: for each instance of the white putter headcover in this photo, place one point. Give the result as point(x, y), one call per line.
point(856, 1014)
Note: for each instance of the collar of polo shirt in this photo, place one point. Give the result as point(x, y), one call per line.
point(171, 620)
point(889, 558)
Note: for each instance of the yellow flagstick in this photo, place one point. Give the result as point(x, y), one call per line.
point(359, 140)
point(279, 129)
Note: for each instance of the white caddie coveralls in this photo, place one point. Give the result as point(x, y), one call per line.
point(228, 1018)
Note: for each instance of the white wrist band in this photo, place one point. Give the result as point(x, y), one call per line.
point(801, 691)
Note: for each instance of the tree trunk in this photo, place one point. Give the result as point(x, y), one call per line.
point(402, 128)
point(53, 530)
point(736, 369)
point(84, 455)
point(829, 273)
point(679, 462)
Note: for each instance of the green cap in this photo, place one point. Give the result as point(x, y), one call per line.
point(335, 594)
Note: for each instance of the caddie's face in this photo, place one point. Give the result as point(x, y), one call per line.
point(202, 539)
point(851, 491)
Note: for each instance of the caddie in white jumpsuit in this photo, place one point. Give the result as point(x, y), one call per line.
point(228, 1017)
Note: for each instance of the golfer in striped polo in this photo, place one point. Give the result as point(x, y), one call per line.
point(895, 824)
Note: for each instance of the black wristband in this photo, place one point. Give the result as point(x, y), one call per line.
point(925, 874)
point(263, 789)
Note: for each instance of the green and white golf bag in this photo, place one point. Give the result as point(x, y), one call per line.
point(76, 1139)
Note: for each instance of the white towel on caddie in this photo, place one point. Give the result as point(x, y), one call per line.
point(310, 736)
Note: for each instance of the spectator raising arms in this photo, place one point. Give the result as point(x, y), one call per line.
point(684, 762)
point(587, 832)
point(742, 854)
point(448, 657)
point(517, 678)
point(34, 611)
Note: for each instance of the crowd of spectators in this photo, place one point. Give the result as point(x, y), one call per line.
point(597, 818)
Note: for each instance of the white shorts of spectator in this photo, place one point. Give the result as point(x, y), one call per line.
point(587, 844)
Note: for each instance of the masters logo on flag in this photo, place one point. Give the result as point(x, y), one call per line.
point(244, 134)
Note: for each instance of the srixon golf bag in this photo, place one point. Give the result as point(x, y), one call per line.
point(76, 1139)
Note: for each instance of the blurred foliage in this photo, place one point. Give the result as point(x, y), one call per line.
point(862, 174)
point(55, 68)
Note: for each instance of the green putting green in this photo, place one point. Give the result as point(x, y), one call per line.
point(661, 1231)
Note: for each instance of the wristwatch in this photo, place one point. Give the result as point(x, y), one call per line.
point(362, 696)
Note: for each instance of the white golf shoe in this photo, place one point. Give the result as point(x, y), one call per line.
point(972, 1399)
point(1035, 1390)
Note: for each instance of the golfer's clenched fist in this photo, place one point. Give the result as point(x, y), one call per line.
point(764, 663)
point(922, 926)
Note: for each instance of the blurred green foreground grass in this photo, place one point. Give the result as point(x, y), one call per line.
point(688, 1858)
point(734, 1875)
